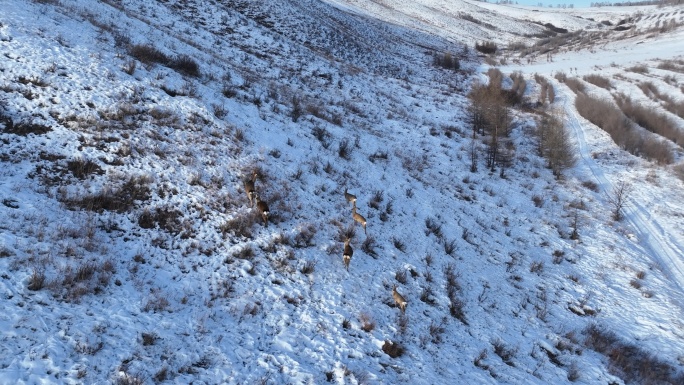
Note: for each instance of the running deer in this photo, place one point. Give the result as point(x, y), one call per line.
point(350, 197)
point(359, 218)
point(399, 300)
point(263, 209)
point(348, 252)
point(249, 188)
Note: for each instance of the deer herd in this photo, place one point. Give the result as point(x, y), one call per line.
point(262, 208)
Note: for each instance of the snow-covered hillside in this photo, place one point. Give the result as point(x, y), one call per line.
point(130, 253)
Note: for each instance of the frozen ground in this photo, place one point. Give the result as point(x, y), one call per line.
point(129, 253)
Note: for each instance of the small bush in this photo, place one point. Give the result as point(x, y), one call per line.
point(148, 54)
point(591, 185)
point(400, 276)
point(186, 64)
point(537, 267)
point(119, 199)
point(308, 267)
point(504, 352)
point(82, 168)
point(598, 81)
point(487, 47)
point(640, 69)
point(368, 246)
point(447, 61)
point(392, 349)
point(561, 76)
point(575, 85)
point(37, 280)
point(367, 323)
point(344, 149)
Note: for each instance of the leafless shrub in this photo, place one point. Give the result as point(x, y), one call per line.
point(305, 235)
point(453, 289)
point(367, 323)
point(149, 339)
point(450, 246)
point(618, 198)
point(609, 118)
point(130, 66)
point(561, 76)
point(126, 379)
point(575, 85)
point(220, 110)
point(400, 276)
point(446, 60)
point(393, 349)
point(679, 171)
point(156, 302)
point(82, 168)
point(598, 81)
point(376, 199)
point(507, 354)
point(162, 374)
point(308, 268)
point(427, 296)
point(487, 47)
point(37, 279)
point(240, 225)
point(433, 227)
point(479, 360)
point(119, 199)
point(640, 69)
point(344, 149)
point(574, 372)
point(537, 267)
point(148, 54)
point(630, 362)
point(368, 246)
point(399, 244)
point(322, 135)
point(436, 331)
point(165, 218)
point(246, 252)
point(651, 120)
point(185, 64)
point(591, 185)
point(538, 201)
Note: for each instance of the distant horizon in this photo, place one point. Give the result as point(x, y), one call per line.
point(556, 3)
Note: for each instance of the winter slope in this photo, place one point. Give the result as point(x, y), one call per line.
point(665, 247)
point(287, 327)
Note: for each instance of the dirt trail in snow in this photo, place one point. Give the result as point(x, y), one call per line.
point(664, 249)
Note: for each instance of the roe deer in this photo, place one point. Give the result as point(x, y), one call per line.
point(359, 218)
point(399, 300)
point(249, 188)
point(347, 254)
point(263, 209)
point(350, 197)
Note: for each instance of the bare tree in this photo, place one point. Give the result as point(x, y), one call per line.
point(618, 198)
point(554, 144)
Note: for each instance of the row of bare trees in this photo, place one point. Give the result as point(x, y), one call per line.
point(491, 123)
point(624, 132)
